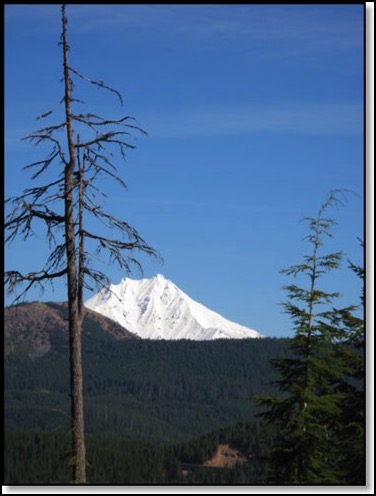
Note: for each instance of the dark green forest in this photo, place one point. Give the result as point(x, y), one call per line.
point(151, 407)
point(154, 390)
point(43, 457)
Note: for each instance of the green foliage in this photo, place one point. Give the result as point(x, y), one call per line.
point(316, 394)
point(351, 425)
point(155, 390)
point(43, 458)
point(36, 458)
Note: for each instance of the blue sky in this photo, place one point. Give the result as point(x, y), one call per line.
point(254, 113)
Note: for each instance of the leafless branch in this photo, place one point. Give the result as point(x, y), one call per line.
point(45, 163)
point(87, 119)
point(99, 168)
point(37, 193)
point(21, 223)
point(100, 84)
point(108, 138)
point(14, 278)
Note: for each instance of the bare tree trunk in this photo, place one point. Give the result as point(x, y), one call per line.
point(77, 178)
point(81, 237)
point(75, 321)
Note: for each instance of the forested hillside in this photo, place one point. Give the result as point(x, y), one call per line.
point(154, 390)
point(43, 457)
point(156, 411)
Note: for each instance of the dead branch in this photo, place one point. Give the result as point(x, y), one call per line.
point(97, 83)
point(14, 278)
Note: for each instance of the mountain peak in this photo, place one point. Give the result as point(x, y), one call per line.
point(157, 309)
point(158, 279)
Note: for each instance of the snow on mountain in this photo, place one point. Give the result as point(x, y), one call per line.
point(157, 309)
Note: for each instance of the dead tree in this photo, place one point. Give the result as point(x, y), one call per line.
point(63, 205)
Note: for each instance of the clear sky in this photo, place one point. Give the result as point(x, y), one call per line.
point(254, 113)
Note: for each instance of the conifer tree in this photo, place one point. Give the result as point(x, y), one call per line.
point(350, 438)
point(63, 205)
point(308, 410)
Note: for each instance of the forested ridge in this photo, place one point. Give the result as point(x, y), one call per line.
point(154, 390)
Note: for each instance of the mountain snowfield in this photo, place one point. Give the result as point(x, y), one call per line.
point(157, 309)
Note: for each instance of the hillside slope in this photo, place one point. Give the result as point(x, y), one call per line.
point(35, 328)
point(145, 389)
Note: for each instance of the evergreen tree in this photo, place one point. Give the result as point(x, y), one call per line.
point(350, 439)
point(308, 410)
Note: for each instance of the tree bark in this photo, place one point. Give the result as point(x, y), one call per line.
point(75, 321)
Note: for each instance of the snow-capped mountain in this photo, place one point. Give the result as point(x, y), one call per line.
point(157, 309)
